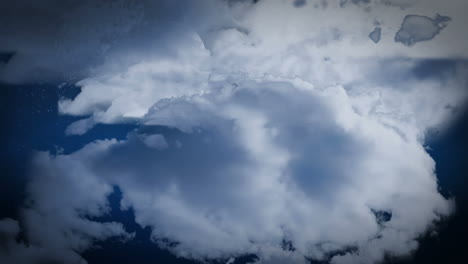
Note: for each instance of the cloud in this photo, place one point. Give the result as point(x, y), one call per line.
point(62, 201)
point(299, 3)
point(48, 38)
point(375, 35)
point(312, 47)
point(49, 46)
point(17, 252)
point(420, 28)
point(154, 141)
point(264, 162)
point(281, 125)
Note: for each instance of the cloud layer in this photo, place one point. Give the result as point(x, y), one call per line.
point(285, 125)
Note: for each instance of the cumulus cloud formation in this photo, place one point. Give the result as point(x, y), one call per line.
point(62, 200)
point(286, 124)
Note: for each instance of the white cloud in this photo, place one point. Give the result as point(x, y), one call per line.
point(62, 200)
point(253, 43)
point(154, 141)
point(291, 124)
point(269, 160)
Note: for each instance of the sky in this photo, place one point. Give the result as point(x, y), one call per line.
point(230, 131)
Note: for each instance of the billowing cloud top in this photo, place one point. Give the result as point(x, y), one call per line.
point(291, 122)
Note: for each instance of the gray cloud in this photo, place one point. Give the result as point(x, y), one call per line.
point(299, 3)
point(420, 28)
point(375, 34)
point(17, 252)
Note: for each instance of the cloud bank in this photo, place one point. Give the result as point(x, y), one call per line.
point(286, 124)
